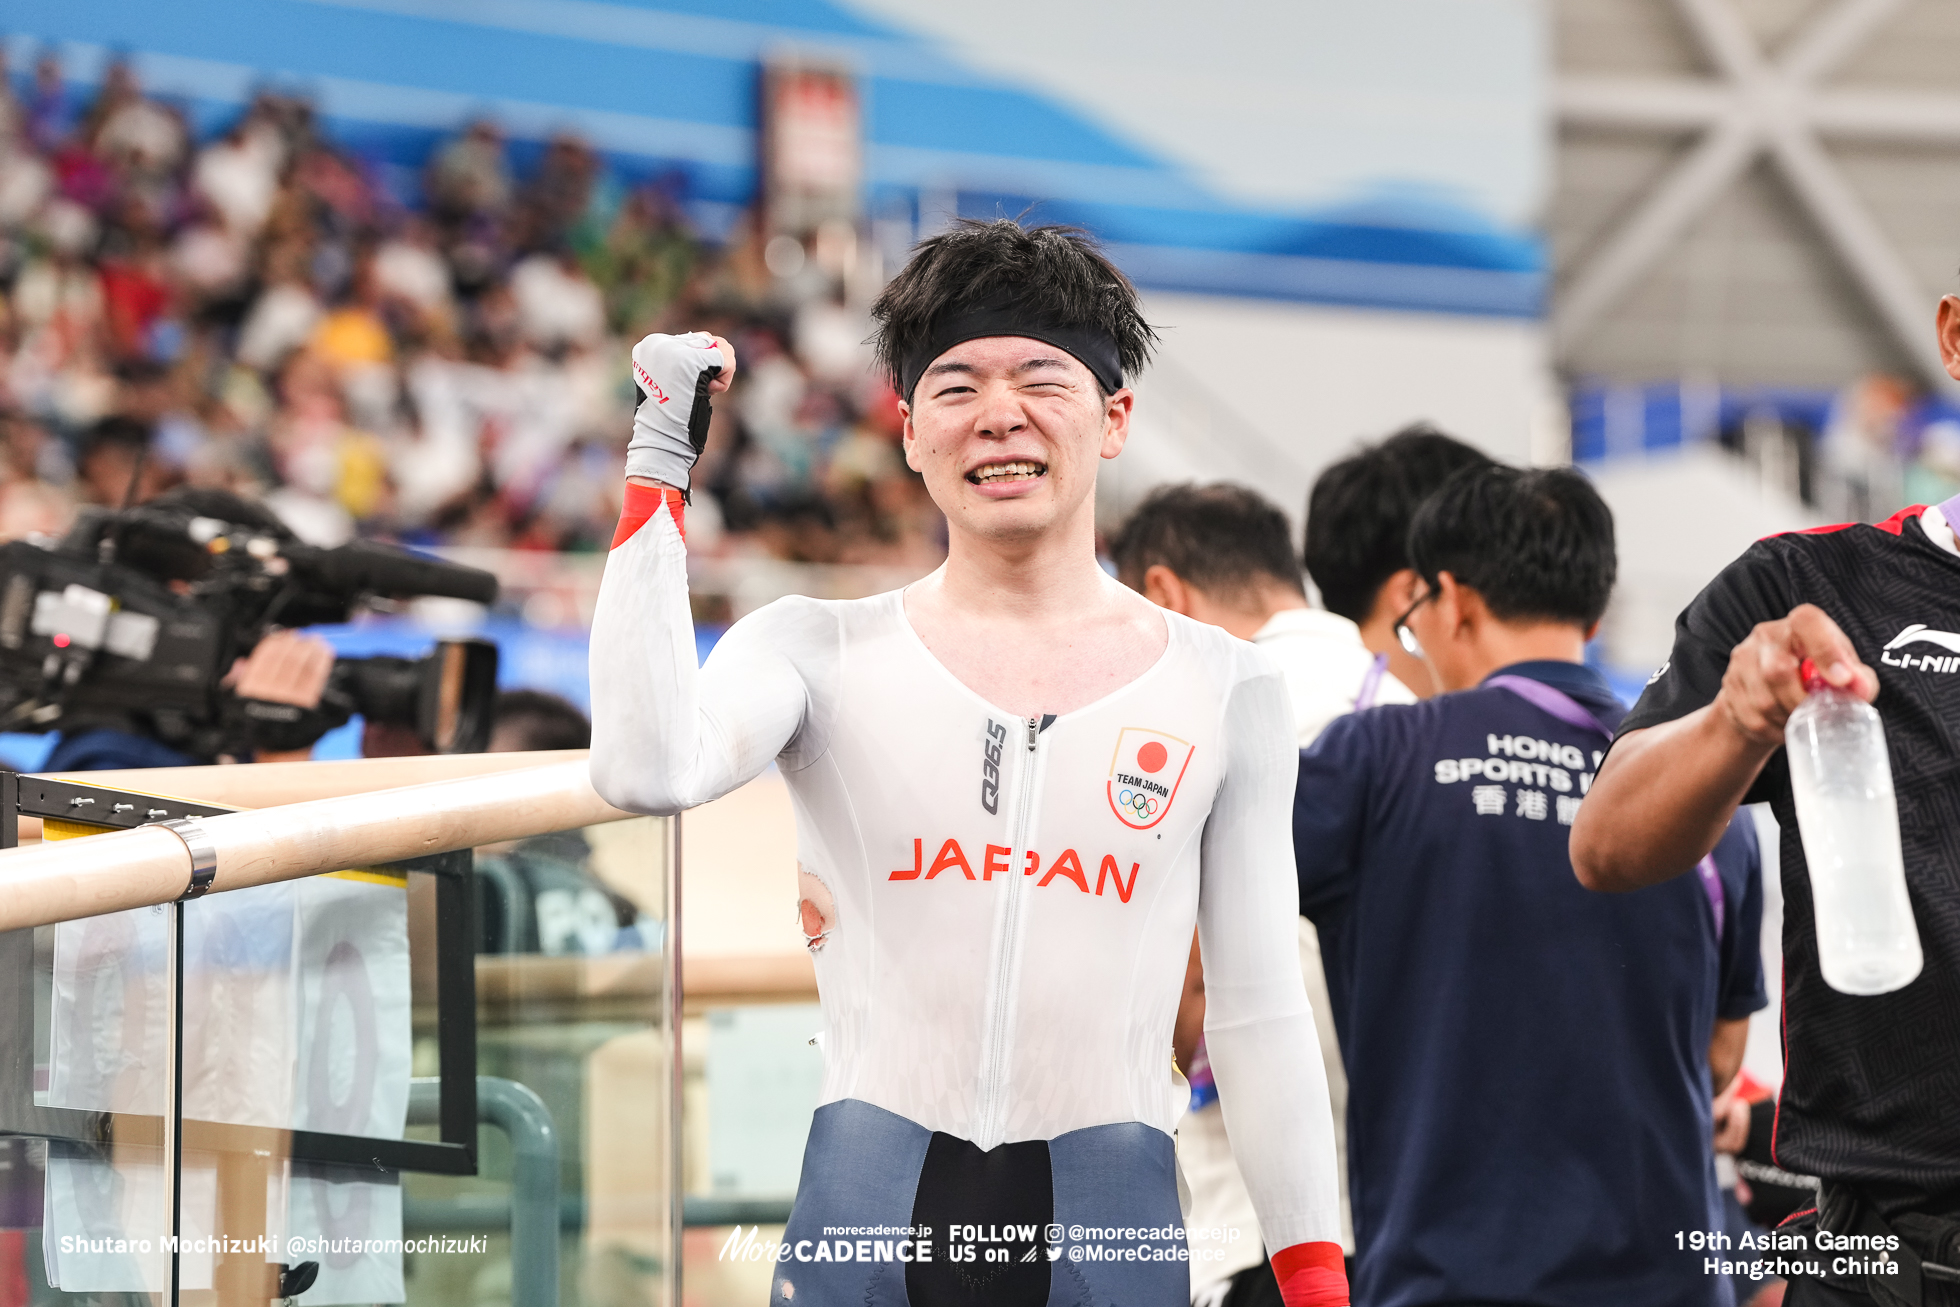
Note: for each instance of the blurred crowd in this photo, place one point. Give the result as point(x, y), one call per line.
point(1885, 444)
point(1857, 454)
point(441, 360)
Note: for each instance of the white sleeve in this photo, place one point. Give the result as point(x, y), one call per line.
point(1259, 1031)
point(667, 735)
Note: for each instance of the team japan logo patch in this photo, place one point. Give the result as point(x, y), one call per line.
point(1144, 774)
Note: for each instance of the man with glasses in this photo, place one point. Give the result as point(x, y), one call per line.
point(1529, 1066)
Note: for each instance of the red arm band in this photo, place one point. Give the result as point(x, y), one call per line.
point(642, 502)
point(1311, 1275)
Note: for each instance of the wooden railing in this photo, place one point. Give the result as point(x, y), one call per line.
point(327, 816)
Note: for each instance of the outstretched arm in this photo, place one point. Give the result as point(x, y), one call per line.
point(1259, 1031)
point(1666, 793)
point(666, 735)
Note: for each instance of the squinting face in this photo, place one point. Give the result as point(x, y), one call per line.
point(1007, 432)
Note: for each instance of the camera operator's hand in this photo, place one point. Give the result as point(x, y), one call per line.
point(279, 685)
point(285, 667)
point(674, 376)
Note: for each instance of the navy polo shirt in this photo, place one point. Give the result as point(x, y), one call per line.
point(1527, 1061)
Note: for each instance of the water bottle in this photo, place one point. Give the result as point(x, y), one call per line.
point(1867, 940)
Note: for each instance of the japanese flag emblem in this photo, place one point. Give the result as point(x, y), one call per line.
point(1144, 774)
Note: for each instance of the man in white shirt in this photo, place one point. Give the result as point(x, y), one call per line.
point(1223, 555)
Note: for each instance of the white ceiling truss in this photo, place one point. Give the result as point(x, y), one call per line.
point(1760, 106)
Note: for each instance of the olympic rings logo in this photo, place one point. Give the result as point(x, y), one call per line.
point(1138, 802)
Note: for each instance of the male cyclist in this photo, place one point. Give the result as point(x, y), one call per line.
point(1018, 785)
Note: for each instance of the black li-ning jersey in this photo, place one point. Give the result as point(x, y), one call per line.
point(1871, 1091)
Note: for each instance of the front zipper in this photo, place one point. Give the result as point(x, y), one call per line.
point(991, 1111)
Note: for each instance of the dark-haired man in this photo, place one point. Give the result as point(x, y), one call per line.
point(1871, 1081)
point(1357, 540)
point(1528, 1067)
point(1221, 554)
point(1224, 555)
point(1018, 787)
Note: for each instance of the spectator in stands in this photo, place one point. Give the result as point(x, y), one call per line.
point(472, 374)
point(527, 721)
point(1465, 964)
point(1222, 554)
point(556, 302)
point(142, 140)
point(26, 182)
point(137, 293)
point(1358, 516)
point(644, 260)
point(560, 196)
point(51, 112)
point(410, 272)
point(469, 177)
point(283, 316)
point(115, 465)
point(238, 175)
point(34, 496)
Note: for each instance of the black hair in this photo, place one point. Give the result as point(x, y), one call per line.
point(1052, 274)
point(1359, 510)
point(541, 720)
point(1536, 543)
point(1222, 538)
point(116, 432)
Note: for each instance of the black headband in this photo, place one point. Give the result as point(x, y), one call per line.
point(1092, 346)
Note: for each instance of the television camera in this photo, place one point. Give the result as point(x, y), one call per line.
point(134, 619)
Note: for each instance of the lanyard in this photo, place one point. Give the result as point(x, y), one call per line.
point(1371, 683)
point(1570, 711)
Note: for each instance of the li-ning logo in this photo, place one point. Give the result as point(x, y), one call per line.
point(1920, 633)
point(1144, 774)
point(990, 767)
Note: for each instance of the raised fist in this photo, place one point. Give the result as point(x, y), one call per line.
point(674, 376)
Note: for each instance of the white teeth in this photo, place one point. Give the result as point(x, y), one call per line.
point(1007, 471)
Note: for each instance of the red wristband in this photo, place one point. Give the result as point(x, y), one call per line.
point(1311, 1275)
point(642, 502)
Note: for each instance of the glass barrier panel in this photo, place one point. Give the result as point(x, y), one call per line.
point(83, 1215)
point(572, 1028)
point(753, 1060)
point(445, 1083)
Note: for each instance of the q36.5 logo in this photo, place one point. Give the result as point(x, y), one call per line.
point(1144, 774)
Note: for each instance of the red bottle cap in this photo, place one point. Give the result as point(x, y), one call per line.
point(1813, 680)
